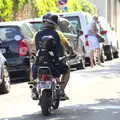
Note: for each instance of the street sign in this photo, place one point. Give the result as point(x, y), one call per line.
point(62, 2)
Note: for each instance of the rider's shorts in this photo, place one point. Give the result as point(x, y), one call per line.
point(59, 68)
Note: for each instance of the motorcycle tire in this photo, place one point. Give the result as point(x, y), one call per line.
point(45, 102)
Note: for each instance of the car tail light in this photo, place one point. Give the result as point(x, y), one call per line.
point(103, 32)
point(23, 48)
point(86, 43)
point(44, 77)
point(86, 36)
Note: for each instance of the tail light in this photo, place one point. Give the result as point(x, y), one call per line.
point(44, 77)
point(23, 48)
point(86, 43)
point(86, 36)
point(103, 32)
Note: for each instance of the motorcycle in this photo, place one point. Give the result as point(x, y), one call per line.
point(47, 88)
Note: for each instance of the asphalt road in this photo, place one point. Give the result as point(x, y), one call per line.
point(94, 95)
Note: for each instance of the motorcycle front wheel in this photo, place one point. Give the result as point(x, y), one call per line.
point(46, 102)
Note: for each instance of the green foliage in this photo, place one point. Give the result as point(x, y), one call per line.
point(87, 6)
point(81, 5)
point(10, 8)
point(44, 6)
point(18, 4)
point(73, 5)
point(5, 10)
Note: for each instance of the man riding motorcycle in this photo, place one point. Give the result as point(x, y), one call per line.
point(50, 23)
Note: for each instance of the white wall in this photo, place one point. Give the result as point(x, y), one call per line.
point(101, 5)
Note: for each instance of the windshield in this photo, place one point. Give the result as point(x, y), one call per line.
point(37, 25)
point(74, 20)
point(66, 27)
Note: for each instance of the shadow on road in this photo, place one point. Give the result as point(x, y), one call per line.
point(104, 109)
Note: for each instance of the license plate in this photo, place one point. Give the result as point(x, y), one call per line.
point(45, 85)
point(2, 50)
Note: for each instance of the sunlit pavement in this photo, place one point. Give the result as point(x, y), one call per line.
point(94, 95)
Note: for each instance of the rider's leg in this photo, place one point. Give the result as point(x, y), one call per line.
point(33, 88)
point(34, 72)
point(65, 71)
point(65, 78)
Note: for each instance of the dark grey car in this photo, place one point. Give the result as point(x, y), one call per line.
point(15, 40)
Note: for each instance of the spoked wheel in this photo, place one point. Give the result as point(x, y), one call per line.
point(5, 86)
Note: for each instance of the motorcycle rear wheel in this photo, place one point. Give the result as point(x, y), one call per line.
point(45, 102)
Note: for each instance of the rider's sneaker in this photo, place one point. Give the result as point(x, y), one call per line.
point(63, 96)
point(32, 82)
point(34, 94)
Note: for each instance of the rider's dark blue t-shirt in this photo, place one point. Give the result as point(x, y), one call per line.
point(58, 49)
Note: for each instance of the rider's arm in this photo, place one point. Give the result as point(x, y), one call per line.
point(65, 42)
point(33, 43)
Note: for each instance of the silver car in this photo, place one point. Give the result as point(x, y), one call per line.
point(4, 75)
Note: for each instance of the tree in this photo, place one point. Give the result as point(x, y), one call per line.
point(17, 6)
point(9, 9)
point(81, 5)
point(44, 6)
point(5, 10)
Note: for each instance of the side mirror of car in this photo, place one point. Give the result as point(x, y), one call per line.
point(79, 32)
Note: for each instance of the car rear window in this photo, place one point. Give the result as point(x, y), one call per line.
point(9, 33)
point(37, 25)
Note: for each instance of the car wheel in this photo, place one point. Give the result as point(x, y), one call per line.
point(109, 56)
point(5, 86)
point(28, 76)
point(115, 54)
point(81, 65)
point(87, 61)
point(102, 57)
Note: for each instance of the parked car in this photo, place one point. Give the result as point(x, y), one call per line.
point(68, 30)
point(111, 49)
point(4, 75)
point(80, 20)
point(15, 38)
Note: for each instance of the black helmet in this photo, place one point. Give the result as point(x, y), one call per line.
point(51, 18)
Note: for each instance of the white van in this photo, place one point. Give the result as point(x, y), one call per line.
point(80, 21)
